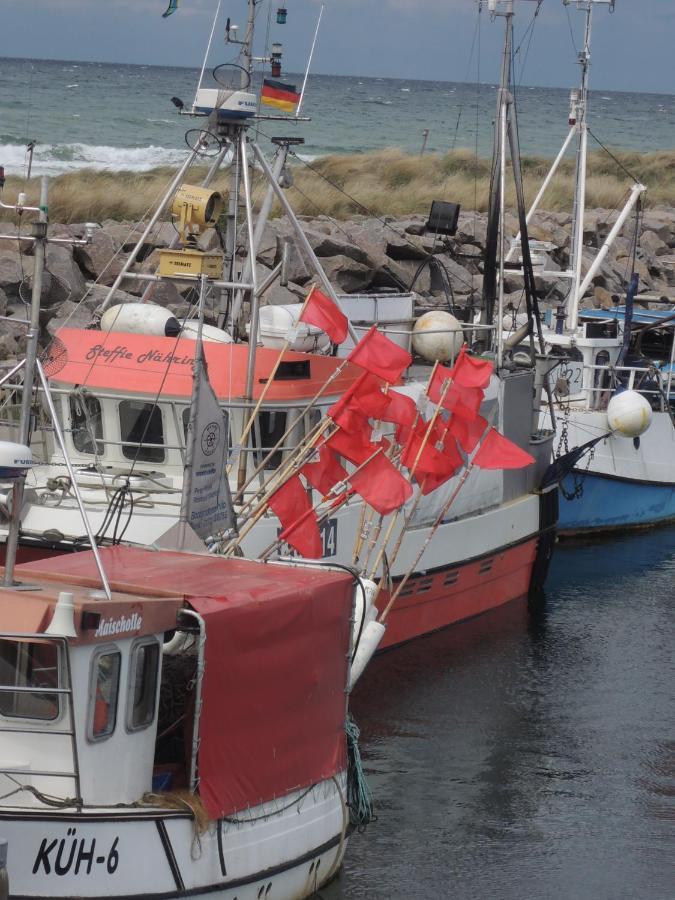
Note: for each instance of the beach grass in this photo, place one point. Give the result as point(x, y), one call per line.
point(389, 182)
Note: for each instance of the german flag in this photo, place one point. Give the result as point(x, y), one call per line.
point(278, 93)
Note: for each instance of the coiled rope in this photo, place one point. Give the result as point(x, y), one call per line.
point(359, 794)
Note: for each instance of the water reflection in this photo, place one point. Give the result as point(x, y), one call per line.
point(529, 753)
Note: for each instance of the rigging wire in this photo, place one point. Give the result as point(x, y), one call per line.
point(569, 23)
point(360, 205)
point(466, 78)
point(626, 171)
point(528, 35)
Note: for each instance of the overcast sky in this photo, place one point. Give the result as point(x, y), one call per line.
point(632, 48)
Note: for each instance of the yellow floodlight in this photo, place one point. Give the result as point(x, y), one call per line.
point(196, 209)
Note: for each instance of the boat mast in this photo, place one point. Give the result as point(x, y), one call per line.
point(579, 207)
point(39, 234)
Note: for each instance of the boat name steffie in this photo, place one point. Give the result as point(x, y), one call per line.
point(98, 351)
point(121, 625)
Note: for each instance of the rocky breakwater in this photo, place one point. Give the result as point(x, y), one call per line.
point(361, 255)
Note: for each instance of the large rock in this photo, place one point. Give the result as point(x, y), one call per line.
point(298, 269)
point(653, 245)
point(67, 281)
point(326, 245)
point(348, 276)
point(100, 258)
point(12, 340)
point(12, 274)
point(662, 223)
point(3, 303)
point(405, 247)
point(472, 229)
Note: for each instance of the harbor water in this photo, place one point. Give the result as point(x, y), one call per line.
point(530, 753)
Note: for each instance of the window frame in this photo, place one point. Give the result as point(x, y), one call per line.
point(38, 691)
point(137, 645)
point(103, 650)
point(98, 448)
point(140, 450)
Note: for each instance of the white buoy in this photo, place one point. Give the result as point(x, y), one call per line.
point(371, 637)
point(190, 331)
point(437, 336)
point(141, 318)
point(279, 323)
point(629, 414)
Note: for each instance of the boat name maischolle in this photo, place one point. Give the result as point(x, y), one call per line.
point(119, 626)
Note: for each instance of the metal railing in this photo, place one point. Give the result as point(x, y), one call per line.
point(647, 380)
point(20, 728)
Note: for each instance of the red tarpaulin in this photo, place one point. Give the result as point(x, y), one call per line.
point(277, 642)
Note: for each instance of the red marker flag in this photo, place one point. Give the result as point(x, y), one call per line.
point(468, 433)
point(470, 372)
point(304, 536)
point(370, 399)
point(381, 485)
point(454, 463)
point(292, 507)
point(498, 452)
point(351, 420)
point(322, 312)
point(380, 356)
point(401, 410)
point(326, 472)
point(353, 446)
point(462, 401)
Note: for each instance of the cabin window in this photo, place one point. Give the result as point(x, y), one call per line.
point(33, 668)
point(103, 694)
point(142, 685)
point(267, 432)
point(141, 429)
point(86, 423)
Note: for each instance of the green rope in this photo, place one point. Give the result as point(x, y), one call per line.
point(359, 795)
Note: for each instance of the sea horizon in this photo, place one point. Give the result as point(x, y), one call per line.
point(118, 116)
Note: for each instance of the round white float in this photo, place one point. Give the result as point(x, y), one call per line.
point(629, 414)
point(276, 322)
point(141, 318)
point(190, 330)
point(437, 336)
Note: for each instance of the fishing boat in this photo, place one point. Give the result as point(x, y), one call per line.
point(173, 723)
point(610, 370)
point(182, 734)
point(124, 392)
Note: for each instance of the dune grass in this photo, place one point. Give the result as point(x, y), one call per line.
point(385, 183)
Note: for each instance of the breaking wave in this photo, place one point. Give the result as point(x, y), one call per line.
point(57, 159)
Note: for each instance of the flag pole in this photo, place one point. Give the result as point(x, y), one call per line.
point(309, 63)
point(439, 519)
point(255, 513)
point(324, 387)
point(345, 495)
point(411, 473)
point(270, 378)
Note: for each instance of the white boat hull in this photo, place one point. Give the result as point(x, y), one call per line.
point(285, 849)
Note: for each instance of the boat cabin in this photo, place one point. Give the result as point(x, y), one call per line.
point(185, 736)
point(124, 398)
point(103, 700)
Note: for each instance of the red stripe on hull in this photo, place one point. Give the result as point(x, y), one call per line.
point(447, 596)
